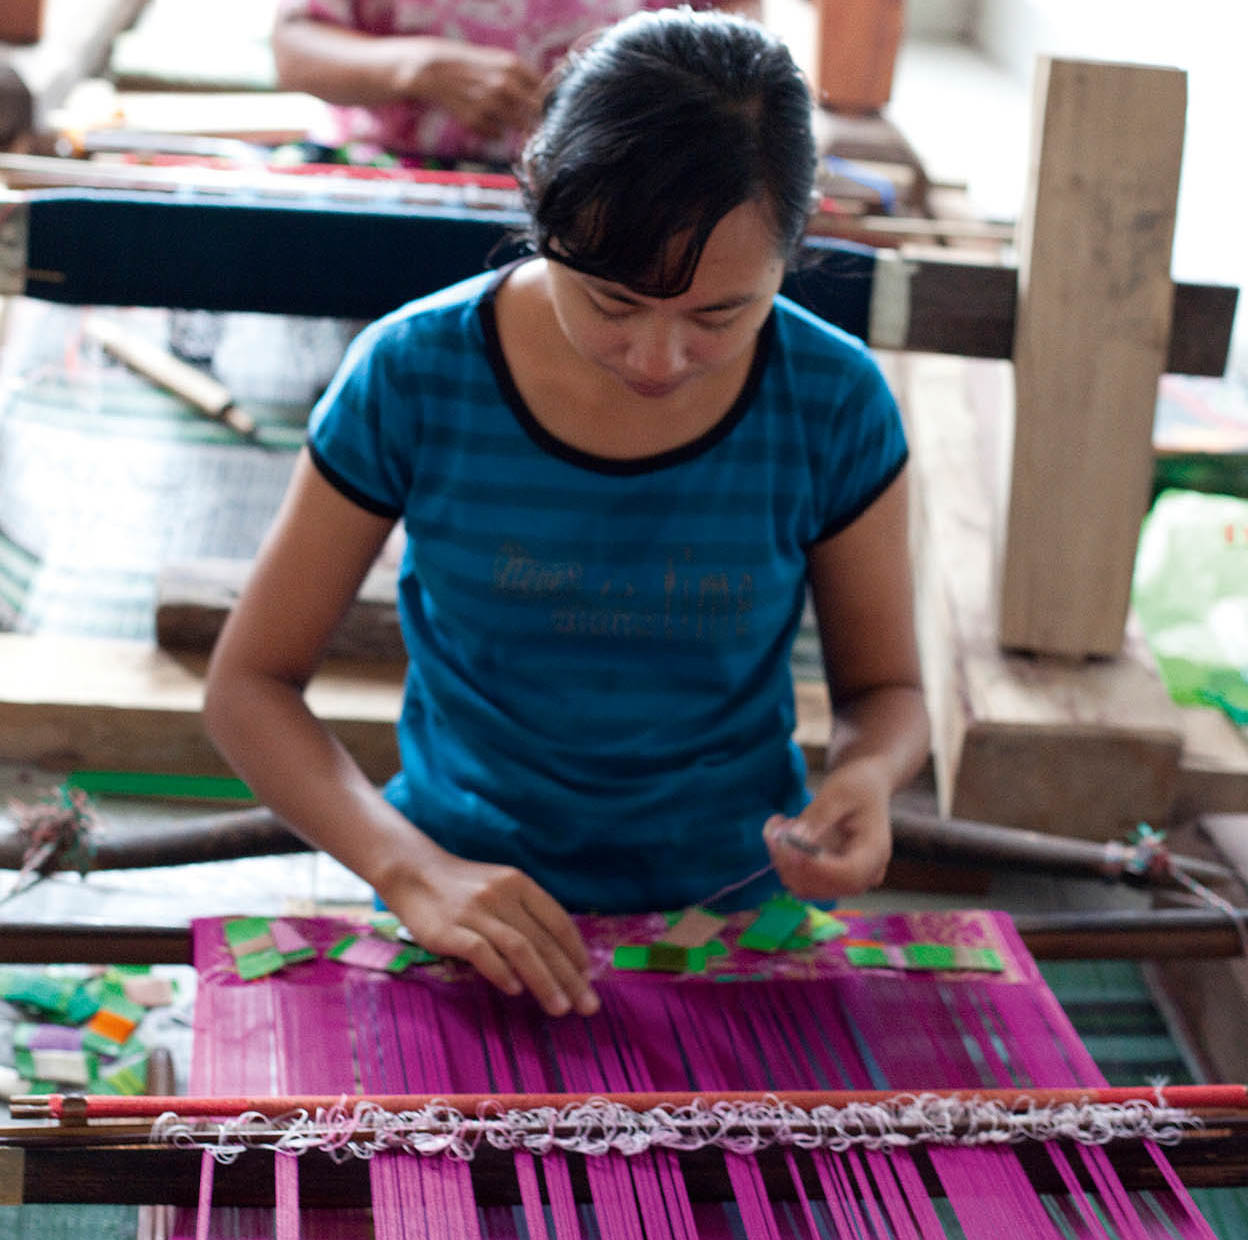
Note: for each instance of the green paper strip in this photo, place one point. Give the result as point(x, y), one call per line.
point(385, 925)
point(418, 955)
point(402, 958)
point(631, 956)
point(55, 996)
point(244, 929)
point(823, 926)
point(668, 958)
point(796, 943)
point(660, 958)
point(777, 921)
point(127, 1009)
point(259, 964)
point(82, 1005)
point(868, 958)
point(929, 956)
point(154, 784)
point(698, 957)
point(341, 946)
point(980, 959)
point(128, 1078)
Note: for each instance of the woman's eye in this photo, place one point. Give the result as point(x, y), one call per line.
point(612, 311)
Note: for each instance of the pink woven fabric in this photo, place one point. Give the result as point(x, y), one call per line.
point(812, 1022)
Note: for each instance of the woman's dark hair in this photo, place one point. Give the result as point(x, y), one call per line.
point(653, 133)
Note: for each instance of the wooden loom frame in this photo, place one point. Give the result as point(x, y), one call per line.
point(49, 1163)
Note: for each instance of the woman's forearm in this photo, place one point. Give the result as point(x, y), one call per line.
point(886, 726)
point(296, 766)
point(347, 66)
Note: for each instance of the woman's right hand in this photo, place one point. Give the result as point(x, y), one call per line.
point(501, 922)
point(487, 89)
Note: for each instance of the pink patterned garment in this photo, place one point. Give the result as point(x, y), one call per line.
point(538, 31)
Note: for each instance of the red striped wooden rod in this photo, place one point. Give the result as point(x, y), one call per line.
point(81, 1107)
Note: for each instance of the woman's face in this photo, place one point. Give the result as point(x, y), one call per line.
point(655, 347)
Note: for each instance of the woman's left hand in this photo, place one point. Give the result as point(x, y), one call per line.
point(840, 844)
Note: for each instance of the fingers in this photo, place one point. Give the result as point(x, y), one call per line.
point(498, 111)
point(515, 953)
point(518, 937)
point(475, 949)
point(844, 859)
point(491, 92)
point(547, 967)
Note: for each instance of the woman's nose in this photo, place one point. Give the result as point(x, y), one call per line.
point(657, 351)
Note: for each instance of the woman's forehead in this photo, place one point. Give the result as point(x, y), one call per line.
point(740, 252)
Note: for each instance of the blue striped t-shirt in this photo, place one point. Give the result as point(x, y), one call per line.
point(598, 689)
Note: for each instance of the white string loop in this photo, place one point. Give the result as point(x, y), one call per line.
point(599, 1126)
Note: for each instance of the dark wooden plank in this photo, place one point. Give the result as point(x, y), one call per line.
point(1200, 337)
point(58, 1172)
point(193, 600)
point(51, 943)
point(1146, 934)
point(962, 308)
point(16, 105)
point(241, 252)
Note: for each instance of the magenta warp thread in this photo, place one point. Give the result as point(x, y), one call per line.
point(814, 1023)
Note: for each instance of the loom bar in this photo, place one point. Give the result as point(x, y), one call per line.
point(1118, 934)
point(71, 1108)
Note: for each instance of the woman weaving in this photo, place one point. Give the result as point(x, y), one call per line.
point(620, 464)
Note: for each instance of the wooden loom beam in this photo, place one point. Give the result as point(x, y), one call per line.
point(59, 1172)
point(918, 836)
point(1150, 934)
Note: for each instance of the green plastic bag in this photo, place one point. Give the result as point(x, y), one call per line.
point(1191, 595)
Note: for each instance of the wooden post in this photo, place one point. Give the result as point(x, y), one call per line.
point(856, 45)
point(1091, 339)
point(21, 21)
